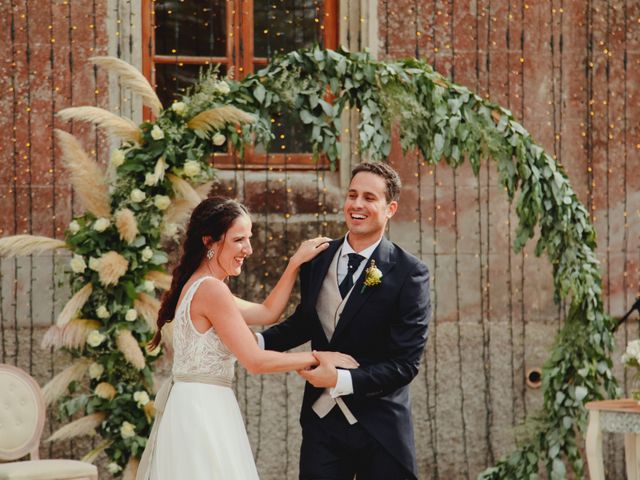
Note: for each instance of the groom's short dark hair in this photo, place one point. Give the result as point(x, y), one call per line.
point(384, 170)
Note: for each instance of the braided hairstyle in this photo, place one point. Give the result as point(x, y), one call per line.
point(212, 217)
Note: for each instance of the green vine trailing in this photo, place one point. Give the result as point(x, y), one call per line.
point(435, 116)
point(447, 121)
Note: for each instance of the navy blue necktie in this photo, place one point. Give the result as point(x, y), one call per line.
point(347, 282)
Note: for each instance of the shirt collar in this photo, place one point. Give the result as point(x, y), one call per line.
point(366, 253)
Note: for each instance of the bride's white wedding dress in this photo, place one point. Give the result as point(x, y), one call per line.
point(201, 434)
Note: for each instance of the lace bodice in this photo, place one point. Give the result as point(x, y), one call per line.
point(196, 352)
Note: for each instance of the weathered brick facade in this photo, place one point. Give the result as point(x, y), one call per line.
point(569, 71)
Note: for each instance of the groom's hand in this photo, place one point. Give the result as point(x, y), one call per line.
point(325, 374)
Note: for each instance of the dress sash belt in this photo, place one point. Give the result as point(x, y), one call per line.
point(144, 469)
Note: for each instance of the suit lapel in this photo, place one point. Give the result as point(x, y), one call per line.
point(385, 261)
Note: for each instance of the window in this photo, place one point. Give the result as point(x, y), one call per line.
point(185, 35)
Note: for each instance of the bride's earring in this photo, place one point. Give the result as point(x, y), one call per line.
point(210, 254)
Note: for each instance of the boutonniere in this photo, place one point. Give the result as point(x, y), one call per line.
point(373, 276)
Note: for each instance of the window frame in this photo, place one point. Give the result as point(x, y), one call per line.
point(240, 56)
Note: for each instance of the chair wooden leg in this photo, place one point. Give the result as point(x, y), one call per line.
point(594, 447)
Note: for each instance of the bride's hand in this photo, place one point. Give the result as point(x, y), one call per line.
point(337, 359)
point(309, 249)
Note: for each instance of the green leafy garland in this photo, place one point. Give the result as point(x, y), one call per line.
point(143, 184)
point(437, 117)
point(445, 120)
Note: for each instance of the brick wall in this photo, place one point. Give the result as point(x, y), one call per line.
point(568, 69)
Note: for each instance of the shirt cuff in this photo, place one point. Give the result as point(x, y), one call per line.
point(344, 385)
point(260, 339)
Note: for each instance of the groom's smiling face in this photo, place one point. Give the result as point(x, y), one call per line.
point(366, 209)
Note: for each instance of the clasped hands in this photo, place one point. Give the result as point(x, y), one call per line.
point(324, 374)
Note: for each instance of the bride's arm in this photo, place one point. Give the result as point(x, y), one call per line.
point(235, 334)
point(270, 310)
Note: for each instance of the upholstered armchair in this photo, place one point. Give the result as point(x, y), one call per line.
point(22, 414)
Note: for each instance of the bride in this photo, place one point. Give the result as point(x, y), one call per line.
point(199, 432)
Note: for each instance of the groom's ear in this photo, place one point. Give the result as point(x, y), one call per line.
point(392, 208)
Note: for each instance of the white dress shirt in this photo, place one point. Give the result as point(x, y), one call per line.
point(344, 384)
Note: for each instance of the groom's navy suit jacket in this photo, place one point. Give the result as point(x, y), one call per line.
point(383, 327)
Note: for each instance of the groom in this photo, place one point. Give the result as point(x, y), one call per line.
point(366, 297)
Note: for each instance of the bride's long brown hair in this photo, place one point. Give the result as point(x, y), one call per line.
point(211, 218)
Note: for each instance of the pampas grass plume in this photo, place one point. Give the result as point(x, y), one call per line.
point(131, 469)
point(126, 225)
point(91, 455)
point(148, 307)
point(75, 333)
point(79, 428)
point(105, 390)
point(160, 279)
point(111, 266)
point(86, 176)
point(74, 305)
point(21, 245)
point(129, 347)
point(183, 188)
point(116, 125)
point(216, 118)
point(130, 77)
point(150, 410)
point(178, 212)
point(57, 386)
point(52, 338)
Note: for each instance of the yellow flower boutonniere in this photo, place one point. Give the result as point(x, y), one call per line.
point(373, 276)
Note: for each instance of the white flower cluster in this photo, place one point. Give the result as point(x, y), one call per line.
point(631, 357)
point(95, 370)
point(77, 264)
point(141, 398)
point(127, 430)
point(95, 338)
point(180, 108)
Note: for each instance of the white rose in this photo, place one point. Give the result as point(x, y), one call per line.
point(223, 87)
point(94, 263)
point(191, 168)
point(131, 315)
point(149, 286)
point(157, 133)
point(150, 179)
point(218, 139)
point(101, 224)
point(137, 195)
point(74, 227)
point(117, 158)
point(113, 467)
point(127, 430)
point(170, 229)
point(633, 348)
point(95, 370)
point(141, 397)
point(375, 274)
point(146, 254)
point(77, 264)
point(179, 107)
point(95, 338)
point(161, 202)
point(102, 312)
